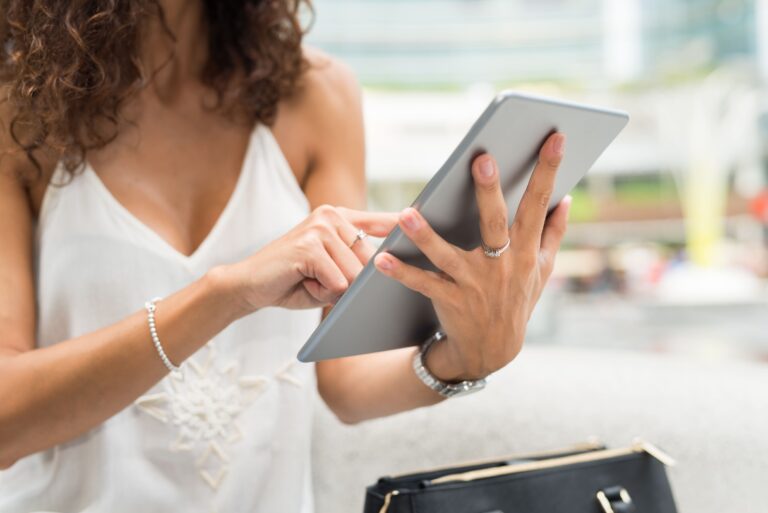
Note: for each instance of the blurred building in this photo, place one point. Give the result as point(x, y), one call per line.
point(453, 42)
point(430, 66)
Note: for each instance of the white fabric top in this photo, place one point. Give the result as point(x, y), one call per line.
point(234, 436)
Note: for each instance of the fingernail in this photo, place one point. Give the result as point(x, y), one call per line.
point(384, 263)
point(558, 145)
point(411, 219)
point(568, 199)
point(486, 168)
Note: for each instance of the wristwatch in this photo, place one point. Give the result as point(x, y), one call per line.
point(441, 387)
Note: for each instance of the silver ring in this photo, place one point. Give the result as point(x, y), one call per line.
point(494, 252)
point(360, 235)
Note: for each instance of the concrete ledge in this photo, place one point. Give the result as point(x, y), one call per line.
point(713, 418)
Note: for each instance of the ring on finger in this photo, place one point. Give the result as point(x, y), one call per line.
point(494, 252)
point(360, 235)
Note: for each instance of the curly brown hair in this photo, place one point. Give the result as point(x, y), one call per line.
point(68, 67)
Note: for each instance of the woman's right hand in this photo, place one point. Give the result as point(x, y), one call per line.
point(311, 265)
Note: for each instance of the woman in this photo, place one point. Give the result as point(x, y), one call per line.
point(190, 150)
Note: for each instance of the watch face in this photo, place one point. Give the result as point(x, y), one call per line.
point(467, 387)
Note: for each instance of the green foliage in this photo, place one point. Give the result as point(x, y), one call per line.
point(584, 208)
point(646, 191)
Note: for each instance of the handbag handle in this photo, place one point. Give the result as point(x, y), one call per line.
point(615, 499)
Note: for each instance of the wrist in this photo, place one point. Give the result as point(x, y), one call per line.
point(222, 283)
point(450, 384)
point(442, 364)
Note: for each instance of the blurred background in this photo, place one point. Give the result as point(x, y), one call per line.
point(668, 245)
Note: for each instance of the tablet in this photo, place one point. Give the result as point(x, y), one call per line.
point(377, 313)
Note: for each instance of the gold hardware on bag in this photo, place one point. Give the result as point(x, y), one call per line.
point(387, 499)
point(606, 504)
point(654, 451)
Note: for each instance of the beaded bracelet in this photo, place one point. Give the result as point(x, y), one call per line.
point(151, 306)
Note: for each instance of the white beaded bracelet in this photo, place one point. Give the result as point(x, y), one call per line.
point(151, 306)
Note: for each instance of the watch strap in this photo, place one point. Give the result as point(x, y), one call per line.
point(443, 388)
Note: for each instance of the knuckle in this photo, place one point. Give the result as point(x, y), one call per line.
point(422, 236)
point(322, 230)
point(325, 296)
point(398, 273)
point(311, 250)
point(306, 244)
point(338, 287)
point(324, 211)
point(300, 265)
point(543, 198)
point(497, 222)
point(553, 163)
point(331, 282)
point(549, 161)
point(491, 185)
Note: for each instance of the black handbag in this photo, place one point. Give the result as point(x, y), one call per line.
point(584, 479)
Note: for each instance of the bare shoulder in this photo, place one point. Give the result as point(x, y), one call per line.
point(328, 91)
point(321, 126)
point(329, 81)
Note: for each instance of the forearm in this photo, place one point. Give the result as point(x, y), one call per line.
point(54, 394)
point(359, 388)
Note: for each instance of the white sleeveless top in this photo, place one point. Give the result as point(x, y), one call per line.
point(234, 436)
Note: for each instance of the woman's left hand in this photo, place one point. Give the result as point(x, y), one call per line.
point(483, 303)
